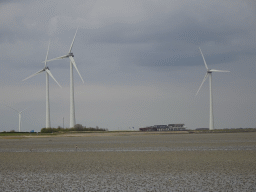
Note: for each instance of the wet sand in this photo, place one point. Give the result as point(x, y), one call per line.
point(129, 162)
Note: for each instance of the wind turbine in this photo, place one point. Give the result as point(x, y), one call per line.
point(19, 112)
point(47, 72)
point(209, 73)
point(70, 55)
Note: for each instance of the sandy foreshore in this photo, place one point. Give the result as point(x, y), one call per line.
point(130, 162)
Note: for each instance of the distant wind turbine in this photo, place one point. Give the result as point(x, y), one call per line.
point(19, 112)
point(47, 72)
point(209, 73)
point(70, 55)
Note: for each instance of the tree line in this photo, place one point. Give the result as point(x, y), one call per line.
point(77, 127)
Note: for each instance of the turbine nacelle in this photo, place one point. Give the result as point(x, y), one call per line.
point(70, 54)
point(44, 69)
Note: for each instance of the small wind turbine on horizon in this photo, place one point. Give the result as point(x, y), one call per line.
point(19, 112)
point(70, 55)
point(209, 73)
point(47, 72)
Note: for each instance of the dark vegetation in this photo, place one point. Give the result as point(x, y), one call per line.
point(77, 127)
point(225, 130)
point(4, 133)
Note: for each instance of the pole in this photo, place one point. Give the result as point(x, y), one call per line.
point(48, 122)
point(72, 102)
point(211, 125)
point(19, 121)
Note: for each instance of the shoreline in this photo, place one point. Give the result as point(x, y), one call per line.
point(17, 135)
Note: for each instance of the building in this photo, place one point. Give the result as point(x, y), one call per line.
point(169, 127)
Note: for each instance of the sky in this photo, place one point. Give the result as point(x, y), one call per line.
point(140, 61)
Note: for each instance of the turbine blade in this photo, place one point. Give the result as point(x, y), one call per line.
point(47, 54)
point(203, 59)
point(61, 57)
point(205, 77)
point(33, 75)
point(73, 62)
point(73, 41)
point(214, 70)
point(49, 72)
point(11, 108)
point(23, 110)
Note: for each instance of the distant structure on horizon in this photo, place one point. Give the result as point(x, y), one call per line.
point(169, 127)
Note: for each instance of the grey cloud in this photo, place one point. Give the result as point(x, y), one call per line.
point(121, 45)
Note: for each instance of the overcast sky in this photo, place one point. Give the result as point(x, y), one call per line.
point(140, 61)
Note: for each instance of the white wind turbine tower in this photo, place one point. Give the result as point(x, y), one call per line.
point(19, 112)
point(209, 73)
point(47, 72)
point(70, 55)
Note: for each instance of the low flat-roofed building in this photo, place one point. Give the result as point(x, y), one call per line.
point(160, 126)
point(176, 125)
point(169, 127)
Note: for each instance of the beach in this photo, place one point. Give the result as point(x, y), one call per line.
point(129, 162)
